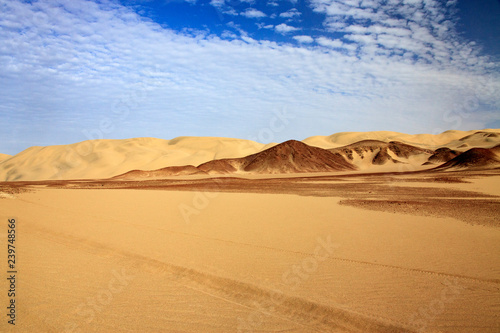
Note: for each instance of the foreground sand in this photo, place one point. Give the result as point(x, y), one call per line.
point(318, 254)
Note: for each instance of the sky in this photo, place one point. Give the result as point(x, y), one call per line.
point(269, 71)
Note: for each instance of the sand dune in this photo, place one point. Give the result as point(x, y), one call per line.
point(473, 159)
point(448, 139)
point(288, 157)
point(160, 173)
point(294, 156)
point(285, 158)
point(4, 157)
point(371, 154)
point(442, 155)
point(366, 155)
point(108, 158)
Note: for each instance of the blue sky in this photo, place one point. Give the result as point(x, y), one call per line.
point(72, 70)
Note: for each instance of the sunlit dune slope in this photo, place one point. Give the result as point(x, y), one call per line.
point(288, 157)
point(486, 138)
point(362, 151)
point(3, 157)
point(107, 158)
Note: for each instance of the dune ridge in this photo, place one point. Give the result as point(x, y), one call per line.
point(369, 153)
point(450, 138)
point(474, 158)
point(441, 155)
point(365, 151)
point(3, 157)
point(288, 157)
point(374, 155)
point(106, 158)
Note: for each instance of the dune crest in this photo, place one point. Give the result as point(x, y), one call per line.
point(475, 159)
point(448, 139)
point(442, 155)
point(108, 158)
point(288, 157)
point(3, 157)
point(369, 153)
point(365, 151)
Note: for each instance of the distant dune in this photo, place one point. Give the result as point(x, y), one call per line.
point(363, 151)
point(287, 157)
point(160, 173)
point(107, 158)
point(3, 157)
point(450, 139)
point(474, 158)
point(368, 153)
point(442, 155)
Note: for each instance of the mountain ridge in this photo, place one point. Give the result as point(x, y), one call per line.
point(291, 156)
point(107, 158)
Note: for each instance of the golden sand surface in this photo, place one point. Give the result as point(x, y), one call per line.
point(412, 252)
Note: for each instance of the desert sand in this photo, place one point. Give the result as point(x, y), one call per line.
point(4, 157)
point(225, 256)
point(343, 251)
point(108, 158)
point(449, 138)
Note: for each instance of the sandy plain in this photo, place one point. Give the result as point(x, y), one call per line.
point(415, 252)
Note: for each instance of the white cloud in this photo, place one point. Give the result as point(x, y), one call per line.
point(67, 66)
point(369, 4)
point(228, 35)
point(362, 39)
point(217, 3)
point(290, 13)
point(230, 11)
point(335, 43)
point(264, 26)
point(303, 39)
point(416, 29)
point(329, 42)
point(284, 28)
point(253, 13)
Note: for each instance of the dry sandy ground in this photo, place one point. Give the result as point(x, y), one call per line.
point(349, 253)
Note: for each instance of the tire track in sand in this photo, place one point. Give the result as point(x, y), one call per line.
point(330, 258)
point(303, 312)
